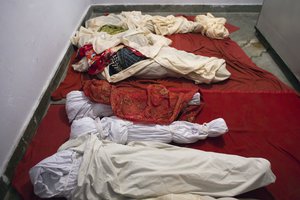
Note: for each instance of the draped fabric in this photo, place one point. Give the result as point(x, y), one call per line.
point(146, 101)
point(95, 169)
point(148, 169)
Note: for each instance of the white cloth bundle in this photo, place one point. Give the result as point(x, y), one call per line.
point(142, 170)
point(212, 27)
point(79, 106)
point(205, 24)
point(122, 131)
point(200, 69)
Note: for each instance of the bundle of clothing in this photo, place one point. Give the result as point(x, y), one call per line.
point(116, 47)
point(85, 117)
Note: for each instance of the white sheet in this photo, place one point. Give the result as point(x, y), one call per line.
point(142, 170)
point(149, 169)
point(56, 176)
point(122, 131)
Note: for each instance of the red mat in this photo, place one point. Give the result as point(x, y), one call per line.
point(53, 131)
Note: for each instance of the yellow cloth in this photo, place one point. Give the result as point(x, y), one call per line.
point(111, 29)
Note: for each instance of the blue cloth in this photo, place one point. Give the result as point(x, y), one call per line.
point(123, 59)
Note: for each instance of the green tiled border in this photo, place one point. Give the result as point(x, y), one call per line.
point(175, 8)
point(94, 10)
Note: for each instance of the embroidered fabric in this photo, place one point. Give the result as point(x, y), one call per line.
point(146, 101)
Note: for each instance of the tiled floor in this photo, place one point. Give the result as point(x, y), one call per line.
point(246, 38)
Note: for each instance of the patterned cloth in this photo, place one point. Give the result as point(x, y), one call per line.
point(96, 62)
point(123, 59)
point(146, 101)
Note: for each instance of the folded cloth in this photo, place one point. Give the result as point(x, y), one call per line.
point(122, 131)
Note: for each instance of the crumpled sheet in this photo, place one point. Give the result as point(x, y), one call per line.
point(208, 25)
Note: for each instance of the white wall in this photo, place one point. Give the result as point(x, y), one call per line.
point(208, 2)
point(33, 38)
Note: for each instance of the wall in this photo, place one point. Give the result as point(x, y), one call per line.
point(34, 37)
point(208, 2)
point(279, 24)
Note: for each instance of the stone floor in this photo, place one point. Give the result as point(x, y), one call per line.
point(247, 40)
